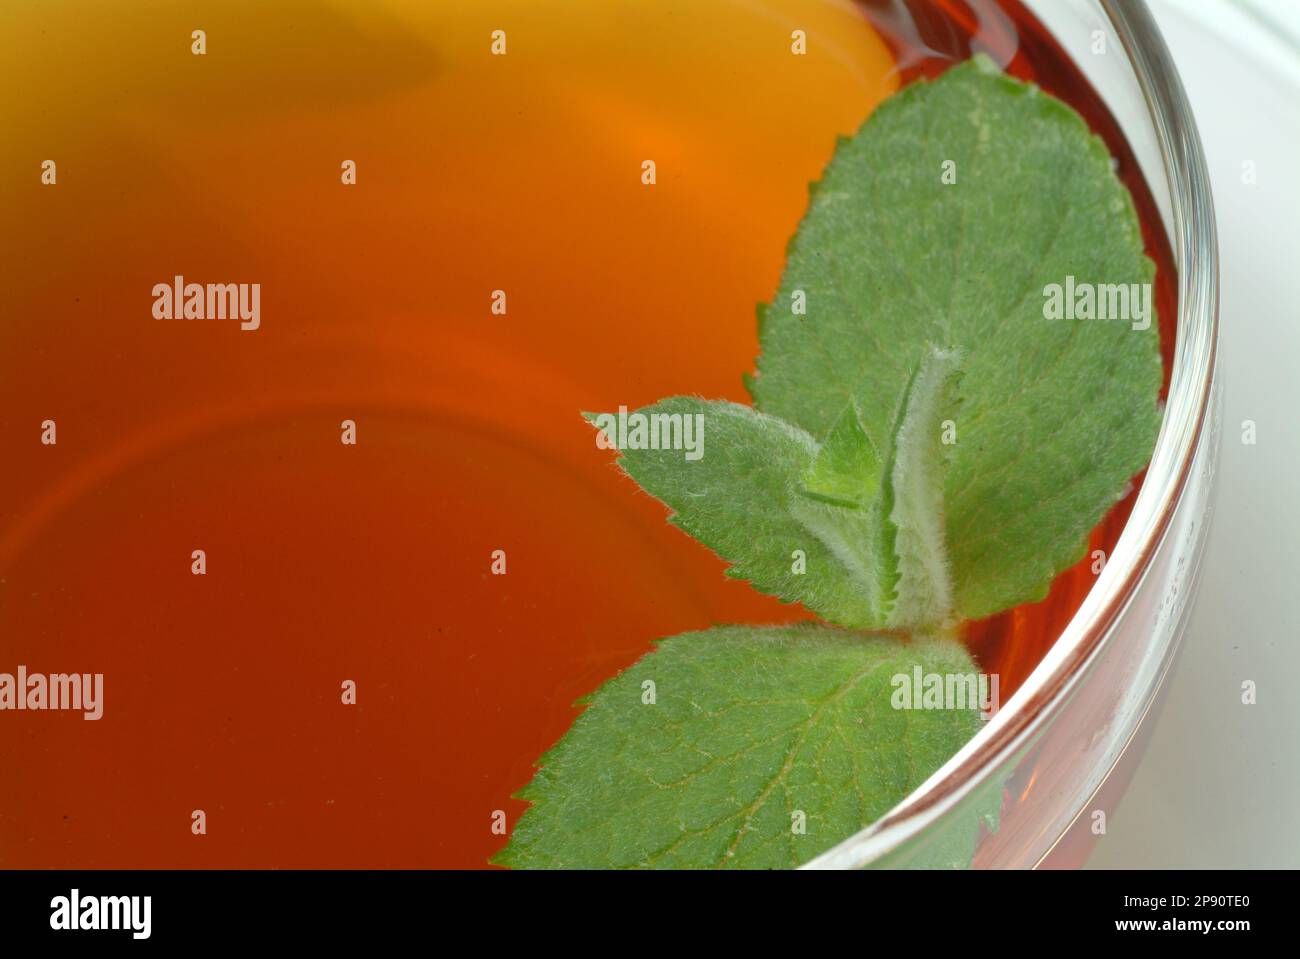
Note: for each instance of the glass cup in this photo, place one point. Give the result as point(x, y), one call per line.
point(1027, 790)
point(334, 559)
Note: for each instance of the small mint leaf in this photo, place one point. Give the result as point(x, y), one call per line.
point(739, 747)
point(738, 498)
point(846, 470)
point(1057, 415)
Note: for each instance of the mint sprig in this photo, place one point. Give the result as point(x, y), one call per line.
point(1056, 415)
point(927, 447)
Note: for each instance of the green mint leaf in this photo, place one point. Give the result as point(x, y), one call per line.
point(844, 501)
point(739, 747)
point(846, 470)
point(741, 499)
point(1056, 415)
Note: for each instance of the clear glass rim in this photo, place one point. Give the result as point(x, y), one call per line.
point(1187, 408)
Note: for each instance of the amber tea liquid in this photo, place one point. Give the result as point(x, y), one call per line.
point(371, 562)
